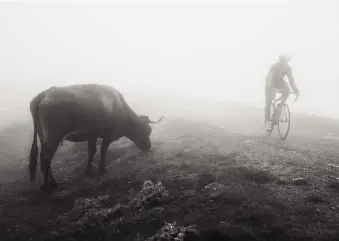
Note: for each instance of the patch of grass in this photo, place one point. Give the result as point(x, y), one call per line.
point(277, 204)
point(334, 185)
point(179, 155)
point(240, 207)
point(204, 179)
point(218, 160)
point(304, 211)
point(251, 217)
point(243, 174)
point(281, 182)
point(231, 198)
point(290, 162)
point(258, 176)
point(300, 182)
point(315, 198)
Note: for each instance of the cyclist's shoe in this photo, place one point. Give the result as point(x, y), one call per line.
point(268, 126)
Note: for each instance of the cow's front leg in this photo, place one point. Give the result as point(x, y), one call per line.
point(104, 147)
point(92, 148)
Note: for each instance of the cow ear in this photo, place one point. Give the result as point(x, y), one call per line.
point(145, 118)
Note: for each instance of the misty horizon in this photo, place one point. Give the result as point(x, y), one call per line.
point(214, 52)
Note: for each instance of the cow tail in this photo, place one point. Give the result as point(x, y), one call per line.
point(34, 148)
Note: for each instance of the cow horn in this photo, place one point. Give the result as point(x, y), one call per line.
point(154, 122)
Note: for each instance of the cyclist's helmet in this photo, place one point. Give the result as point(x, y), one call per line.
point(284, 58)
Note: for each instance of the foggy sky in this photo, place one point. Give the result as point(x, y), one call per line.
point(207, 50)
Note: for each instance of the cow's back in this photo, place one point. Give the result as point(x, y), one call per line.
point(85, 107)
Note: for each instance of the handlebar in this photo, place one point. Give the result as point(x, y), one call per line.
point(296, 96)
point(291, 92)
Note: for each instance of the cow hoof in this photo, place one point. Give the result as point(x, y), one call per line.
point(32, 179)
point(32, 185)
point(50, 187)
point(89, 173)
point(102, 171)
point(44, 188)
point(53, 186)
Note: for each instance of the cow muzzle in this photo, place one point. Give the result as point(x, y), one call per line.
point(145, 147)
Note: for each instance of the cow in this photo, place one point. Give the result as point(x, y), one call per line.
point(79, 113)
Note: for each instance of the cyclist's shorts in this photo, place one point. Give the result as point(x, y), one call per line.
point(278, 84)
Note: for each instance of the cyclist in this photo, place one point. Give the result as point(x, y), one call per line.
point(275, 80)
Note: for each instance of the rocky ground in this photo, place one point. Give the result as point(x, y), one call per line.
point(200, 182)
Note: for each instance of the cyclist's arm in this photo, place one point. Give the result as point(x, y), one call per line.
point(291, 80)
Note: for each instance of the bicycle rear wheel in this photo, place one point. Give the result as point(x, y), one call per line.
point(284, 121)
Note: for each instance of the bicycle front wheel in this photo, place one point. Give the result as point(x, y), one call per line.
point(284, 122)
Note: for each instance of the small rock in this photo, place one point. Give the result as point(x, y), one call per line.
point(297, 179)
point(249, 141)
point(214, 186)
point(156, 211)
point(54, 233)
point(224, 224)
point(215, 189)
point(189, 193)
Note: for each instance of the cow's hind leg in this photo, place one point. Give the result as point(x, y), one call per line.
point(104, 147)
point(92, 148)
point(48, 151)
point(53, 183)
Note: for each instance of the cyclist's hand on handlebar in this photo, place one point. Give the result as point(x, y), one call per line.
point(297, 93)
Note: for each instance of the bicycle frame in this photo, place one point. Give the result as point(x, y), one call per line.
point(274, 104)
point(274, 101)
point(280, 98)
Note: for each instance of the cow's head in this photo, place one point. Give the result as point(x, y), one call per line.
point(142, 131)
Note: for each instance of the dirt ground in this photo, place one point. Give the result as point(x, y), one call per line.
point(200, 182)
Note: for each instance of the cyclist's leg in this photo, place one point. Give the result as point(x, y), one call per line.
point(268, 100)
point(285, 90)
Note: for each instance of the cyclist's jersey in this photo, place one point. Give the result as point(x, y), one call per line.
point(277, 73)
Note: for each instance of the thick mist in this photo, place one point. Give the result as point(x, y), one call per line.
point(194, 56)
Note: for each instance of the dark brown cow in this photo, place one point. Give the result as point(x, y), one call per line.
point(80, 113)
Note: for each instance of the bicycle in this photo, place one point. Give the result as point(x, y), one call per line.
point(275, 115)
